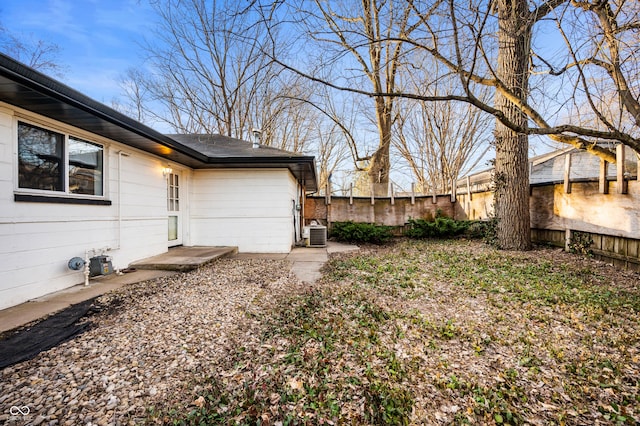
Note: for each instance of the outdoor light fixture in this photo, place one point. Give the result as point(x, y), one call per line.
point(167, 170)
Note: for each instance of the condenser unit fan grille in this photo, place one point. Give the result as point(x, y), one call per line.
point(318, 236)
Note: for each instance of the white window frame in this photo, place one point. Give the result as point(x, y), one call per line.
point(66, 134)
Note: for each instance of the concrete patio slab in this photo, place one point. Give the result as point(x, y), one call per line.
point(183, 258)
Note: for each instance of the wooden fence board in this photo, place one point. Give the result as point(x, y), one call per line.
point(612, 220)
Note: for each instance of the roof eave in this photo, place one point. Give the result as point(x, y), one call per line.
point(72, 107)
point(33, 91)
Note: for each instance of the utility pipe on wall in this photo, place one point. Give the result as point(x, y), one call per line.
point(87, 271)
point(120, 154)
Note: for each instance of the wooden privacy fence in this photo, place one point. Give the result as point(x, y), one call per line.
point(608, 216)
point(610, 219)
point(607, 211)
point(391, 211)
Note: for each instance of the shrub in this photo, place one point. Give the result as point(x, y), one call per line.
point(441, 227)
point(483, 229)
point(581, 243)
point(361, 232)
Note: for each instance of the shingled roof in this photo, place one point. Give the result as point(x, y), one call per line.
point(219, 146)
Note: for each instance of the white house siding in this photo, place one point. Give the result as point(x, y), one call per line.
point(251, 209)
point(38, 239)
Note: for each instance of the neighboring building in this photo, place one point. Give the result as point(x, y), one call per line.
point(77, 176)
point(576, 199)
point(550, 168)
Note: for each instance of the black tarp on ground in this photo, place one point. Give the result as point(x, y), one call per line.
point(28, 342)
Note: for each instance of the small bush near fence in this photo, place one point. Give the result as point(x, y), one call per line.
point(361, 232)
point(581, 243)
point(485, 230)
point(441, 227)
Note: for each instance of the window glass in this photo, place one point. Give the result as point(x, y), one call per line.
point(40, 158)
point(85, 167)
point(172, 193)
point(173, 228)
point(41, 162)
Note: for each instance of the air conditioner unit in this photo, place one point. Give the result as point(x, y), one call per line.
point(317, 236)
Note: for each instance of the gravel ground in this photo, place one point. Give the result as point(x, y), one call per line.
point(144, 347)
point(448, 323)
point(436, 332)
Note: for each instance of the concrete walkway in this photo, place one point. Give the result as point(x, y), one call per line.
point(306, 261)
point(34, 309)
point(306, 264)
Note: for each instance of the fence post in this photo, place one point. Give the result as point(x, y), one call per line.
point(454, 190)
point(567, 174)
point(620, 178)
point(351, 193)
point(373, 197)
point(602, 178)
point(391, 193)
point(413, 193)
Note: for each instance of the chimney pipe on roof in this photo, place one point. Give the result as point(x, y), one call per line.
point(257, 133)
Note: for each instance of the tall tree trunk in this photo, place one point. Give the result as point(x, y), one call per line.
point(511, 168)
point(380, 165)
point(379, 171)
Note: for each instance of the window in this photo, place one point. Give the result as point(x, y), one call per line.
point(173, 197)
point(85, 167)
point(40, 158)
point(51, 161)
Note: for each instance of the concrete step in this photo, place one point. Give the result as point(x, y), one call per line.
point(183, 259)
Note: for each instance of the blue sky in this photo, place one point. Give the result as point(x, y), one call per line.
point(98, 39)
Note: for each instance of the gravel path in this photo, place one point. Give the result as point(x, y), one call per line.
point(145, 347)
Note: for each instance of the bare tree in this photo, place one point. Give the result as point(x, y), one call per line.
point(133, 85)
point(471, 38)
point(602, 65)
point(37, 54)
point(363, 40)
point(511, 199)
point(331, 153)
point(206, 73)
point(441, 141)
point(287, 119)
point(521, 111)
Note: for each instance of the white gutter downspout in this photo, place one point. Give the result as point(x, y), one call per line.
point(120, 154)
point(87, 260)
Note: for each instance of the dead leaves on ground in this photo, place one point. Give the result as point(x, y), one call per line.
point(437, 333)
